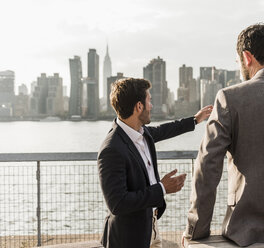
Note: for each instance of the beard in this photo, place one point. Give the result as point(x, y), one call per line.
point(244, 70)
point(145, 117)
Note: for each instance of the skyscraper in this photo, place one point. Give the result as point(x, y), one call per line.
point(185, 76)
point(209, 89)
point(93, 65)
point(107, 72)
point(76, 86)
point(22, 89)
point(155, 72)
point(211, 80)
point(7, 87)
point(38, 101)
point(55, 96)
point(47, 96)
point(93, 84)
point(207, 73)
point(187, 89)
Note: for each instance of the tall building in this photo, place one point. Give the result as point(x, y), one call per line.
point(92, 102)
point(111, 80)
point(107, 72)
point(232, 78)
point(93, 84)
point(207, 73)
point(7, 88)
point(188, 86)
point(155, 72)
point(38, 100)
point(65, 90)
point(48, 96)
point(7, 93)
point(185, 76)
point(75, 103)
point(22, 89)
point(209, 89)
point(21, 104)
point(32, 87)
point(93, 65)
point(212, 79)
point(54, 100)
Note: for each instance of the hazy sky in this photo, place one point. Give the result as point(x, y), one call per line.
point(41, 35)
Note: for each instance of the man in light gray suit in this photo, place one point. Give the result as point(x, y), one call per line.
point(236, 129)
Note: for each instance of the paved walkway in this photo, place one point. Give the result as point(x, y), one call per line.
point(96, 244)
point(216, 241)
point(87, 244)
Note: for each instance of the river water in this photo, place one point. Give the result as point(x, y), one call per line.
point(84, 136)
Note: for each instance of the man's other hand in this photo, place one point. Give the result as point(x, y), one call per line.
point(172, 183)
point(203, 113)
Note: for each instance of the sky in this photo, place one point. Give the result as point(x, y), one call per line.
point(39, 36)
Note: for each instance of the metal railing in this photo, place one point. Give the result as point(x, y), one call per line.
point(51, 198)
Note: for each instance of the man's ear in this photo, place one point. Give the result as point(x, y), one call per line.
point(247, 57)
point(139, 107)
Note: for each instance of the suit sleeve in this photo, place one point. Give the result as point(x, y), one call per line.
point(171, 129)
point(113, 180)
point(208, 169)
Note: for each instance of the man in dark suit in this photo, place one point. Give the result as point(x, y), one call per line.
point(128, 171)
point(236, 129)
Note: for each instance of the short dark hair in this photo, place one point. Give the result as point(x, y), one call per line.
point(252, 39)
point(125, 93)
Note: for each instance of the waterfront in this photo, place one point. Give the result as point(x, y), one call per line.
point(71, 201)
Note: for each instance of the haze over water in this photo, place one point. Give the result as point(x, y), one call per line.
point(65, 136)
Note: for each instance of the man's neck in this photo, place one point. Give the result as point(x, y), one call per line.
point(255, 69)
point(132, 122)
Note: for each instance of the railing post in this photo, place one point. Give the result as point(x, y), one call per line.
point(192, 166)
point(38, 203)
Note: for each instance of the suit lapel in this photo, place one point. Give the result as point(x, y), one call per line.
point(132, 148)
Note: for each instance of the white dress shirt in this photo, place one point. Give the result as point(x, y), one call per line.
point(141, 144)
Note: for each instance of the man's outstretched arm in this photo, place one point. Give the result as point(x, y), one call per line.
point(177, 127)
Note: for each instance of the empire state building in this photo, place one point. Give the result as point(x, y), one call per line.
point(107, 72)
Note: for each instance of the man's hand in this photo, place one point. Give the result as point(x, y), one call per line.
point(203, 113)
point(173, 184)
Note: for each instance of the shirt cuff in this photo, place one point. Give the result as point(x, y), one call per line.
point(195, 121)
point(163, 189)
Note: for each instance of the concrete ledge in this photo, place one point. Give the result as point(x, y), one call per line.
point(96, 244)
point(87, 244)
point(215, 241)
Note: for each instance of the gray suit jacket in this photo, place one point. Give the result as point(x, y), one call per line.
point(236, 129)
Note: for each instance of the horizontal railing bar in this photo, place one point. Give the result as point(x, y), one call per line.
point(83, 156)
point(176, 155)
point(30, 157)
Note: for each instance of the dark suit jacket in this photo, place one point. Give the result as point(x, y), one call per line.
point(126, 188)
point(236, 126)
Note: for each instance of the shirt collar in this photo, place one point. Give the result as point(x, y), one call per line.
point(132, 133)
point(259, 72)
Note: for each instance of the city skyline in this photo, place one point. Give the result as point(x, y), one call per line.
point(40, 36)
point(47, 97)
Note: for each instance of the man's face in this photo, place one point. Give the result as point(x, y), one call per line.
point(244, 71)
point(144, 117)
